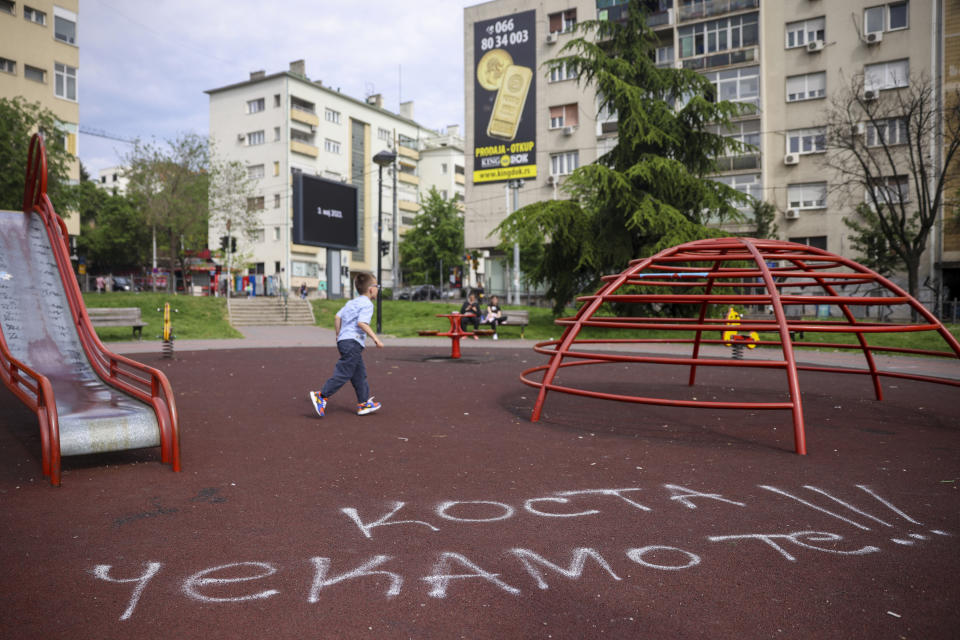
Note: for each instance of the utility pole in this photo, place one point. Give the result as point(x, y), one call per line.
point(516, 185)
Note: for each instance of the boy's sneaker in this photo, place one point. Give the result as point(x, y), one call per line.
point(319, 402)
point(367, 407)
point(494, 336)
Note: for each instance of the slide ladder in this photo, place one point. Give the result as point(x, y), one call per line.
point(87, 399)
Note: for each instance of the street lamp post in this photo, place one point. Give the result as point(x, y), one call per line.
point(383, 159)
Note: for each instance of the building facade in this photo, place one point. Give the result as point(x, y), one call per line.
point(785, 59)
point(40, 61)
point(284, 122)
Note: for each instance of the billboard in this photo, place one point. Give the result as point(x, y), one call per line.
point(324, 213)
point(505, 97)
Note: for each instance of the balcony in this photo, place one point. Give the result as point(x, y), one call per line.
point(303, 116)
point(407, 205)
point(407, 152)
point(708, 8)
point(721, 59)
point(738, 163)
point(408, 178)
point(660, 19)
point(297, 146)
point(459, 179)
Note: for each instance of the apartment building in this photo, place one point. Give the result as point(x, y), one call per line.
point(281, 123)
point(40, 61)
point(785, 59)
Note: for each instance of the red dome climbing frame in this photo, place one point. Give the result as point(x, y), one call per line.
point(708, 275)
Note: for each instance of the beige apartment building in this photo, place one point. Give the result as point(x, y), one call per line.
point(785, 58)
point(281, 123)
point(40, 61)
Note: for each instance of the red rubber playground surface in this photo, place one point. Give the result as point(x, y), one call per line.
point(449, 514)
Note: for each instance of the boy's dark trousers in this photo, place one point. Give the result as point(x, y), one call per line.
point(350, 368)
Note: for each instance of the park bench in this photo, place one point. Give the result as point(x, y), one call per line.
point(515, 318)
point(118, 317)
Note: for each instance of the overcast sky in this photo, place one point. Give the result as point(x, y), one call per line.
point(145, 64)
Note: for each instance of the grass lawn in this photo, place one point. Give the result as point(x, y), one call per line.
point(196, 317)
point(403, 319)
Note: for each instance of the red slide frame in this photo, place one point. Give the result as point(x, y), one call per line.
point(133, 378)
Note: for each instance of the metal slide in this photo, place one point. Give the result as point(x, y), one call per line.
point(87, 399)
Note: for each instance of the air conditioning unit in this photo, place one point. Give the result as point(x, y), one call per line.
point(858, 129)
point(874, 37)
point(551, 180)
point(569, 131)
point(552, 37)
point(241, 137)
point(816, 45)
point(870, 94)
point(791, 158)
point(792, 214)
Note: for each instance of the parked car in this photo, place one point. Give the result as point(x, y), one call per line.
point(419, 292)
point(122, 283)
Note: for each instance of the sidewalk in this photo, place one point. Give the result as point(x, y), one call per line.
point(274, 337)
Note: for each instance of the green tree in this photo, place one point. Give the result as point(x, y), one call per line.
point(230, 213)
point(113, 234)
point(170, 183)
point(871, 243)
point(764, 215)
point(650, 191)
point(436, 236)
point(19, 120)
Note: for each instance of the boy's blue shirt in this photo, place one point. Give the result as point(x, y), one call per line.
point(360, 309)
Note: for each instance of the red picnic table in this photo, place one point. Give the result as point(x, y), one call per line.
point(456, 331)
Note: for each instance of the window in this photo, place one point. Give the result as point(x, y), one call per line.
point(664, 55)
point(64, 81)
point(889, 131)
point(276, 168)
point(737, 85)
point(34, 73)
point(255, 171)
point(748, 184)
point(256, 106)
point(807, 140)
point(886, 75)
point(807, 87)
point(565, 115)
point(718, 35)
point(887, 17)
point(255, 138)
point(746, 132)
point(276, 134)
point(7, 6)
point(889, 190)
point(33, 15)
point(563, 21)
point(561, 72)
point(331, 145)
point(276, 230)
point(301, 136)
point(276, 100)
point(64, 26)
point(255, 203)
point(817, 242)
point(458, 169)
point(812, 195)
point(8, 66)
point(276, 205)
point(384, 134)
point(331, 116)
point(800, 34)
point(563, 163)
point(444, 168)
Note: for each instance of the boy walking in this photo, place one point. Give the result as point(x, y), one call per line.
point(353, 325)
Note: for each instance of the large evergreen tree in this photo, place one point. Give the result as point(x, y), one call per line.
point(436, 237)
point(649, 192)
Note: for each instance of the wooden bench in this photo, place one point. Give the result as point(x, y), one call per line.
point(516, 318)
point(118, 317)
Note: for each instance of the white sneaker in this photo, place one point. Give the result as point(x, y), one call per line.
point(494, 336)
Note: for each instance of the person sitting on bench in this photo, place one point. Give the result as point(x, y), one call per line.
point(494, 315)
point(470, 306)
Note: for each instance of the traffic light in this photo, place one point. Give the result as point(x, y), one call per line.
point(233, 244)
point(384, 247)
point(223, 243)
